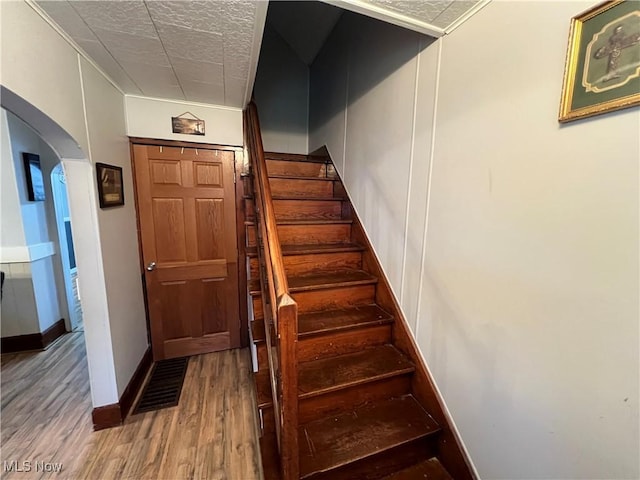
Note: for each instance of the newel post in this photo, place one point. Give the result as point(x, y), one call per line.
point(288, 330)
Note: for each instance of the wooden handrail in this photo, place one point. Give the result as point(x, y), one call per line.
point(279, 276)
point(282, 314)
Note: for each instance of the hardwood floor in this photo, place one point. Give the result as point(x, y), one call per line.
point(46, 417)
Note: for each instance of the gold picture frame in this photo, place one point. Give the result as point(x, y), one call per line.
point(602, 70)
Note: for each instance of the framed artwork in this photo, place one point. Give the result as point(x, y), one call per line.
point(110, 185)
point(33, 175)
point(187, 126)
point(602, 70)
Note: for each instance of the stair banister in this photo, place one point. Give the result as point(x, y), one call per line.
point(282, 314)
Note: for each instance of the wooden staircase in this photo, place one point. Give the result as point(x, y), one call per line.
point(366, 407)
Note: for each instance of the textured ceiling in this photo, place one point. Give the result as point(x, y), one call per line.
point(201, 51)
point(207, 51)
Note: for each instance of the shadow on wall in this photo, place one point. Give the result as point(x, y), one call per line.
point(282, 86)
point(356, 59)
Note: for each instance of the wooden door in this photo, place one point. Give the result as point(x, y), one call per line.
point(187, 215)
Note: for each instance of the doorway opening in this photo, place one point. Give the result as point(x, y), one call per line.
point(67, 252)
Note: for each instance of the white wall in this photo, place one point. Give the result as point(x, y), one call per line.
point(39, 65)
point(151, 118)
point(82, 192)
point(19, 315)
point(372, 140)
point(71, 105)
point(38, 222)
point(282, 96)
point(12, 240)
point(118, 228)
point(528, 271)
point(32, 302)
point(34, 216)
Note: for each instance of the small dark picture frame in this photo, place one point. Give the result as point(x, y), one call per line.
point(187, 126)
point(110, 185)
point(33, 175)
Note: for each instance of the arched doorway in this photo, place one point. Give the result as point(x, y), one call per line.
point(81, 189)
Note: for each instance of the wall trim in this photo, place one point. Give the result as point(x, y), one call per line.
point(33, 341)
point(388, 16)
point(14, 255)
point(211, 106)
point(470, 13)
point(54, 332)
point(28, 253)
point(21, 343)
point(109, 416)
point(38, 251)
point(178, 143)
point(135, 384)
point(258, 33)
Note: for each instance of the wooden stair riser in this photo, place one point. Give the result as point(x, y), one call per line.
point(251, 234)
point(325, 299)
point(301, 209)
point(430, 469)
point(247, 185)
point(262, 358)
point(339, 191)
point(378, 466)
point(295, 157)
point(268, 420)
point(331, 298)
point(295, 187)
point(334, 344)
point(299, 169)
point(258, 312)
point(340, 343)
point(307, 234)
point(301, 264)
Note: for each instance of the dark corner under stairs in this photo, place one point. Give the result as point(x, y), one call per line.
point(367, 408)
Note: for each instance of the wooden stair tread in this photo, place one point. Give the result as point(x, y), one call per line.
point(341, 319)
point(335, 373)
point(338, 278)
point(304, 199)
point(332, 442)
point(327, 198)
point(294, 157)
point(430, 469)
point(329, 321)
point(303, 177)
point(322, 280)
point(319, 221)
point(312, 248)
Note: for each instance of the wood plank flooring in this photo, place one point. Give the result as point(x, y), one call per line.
point(46, 417)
